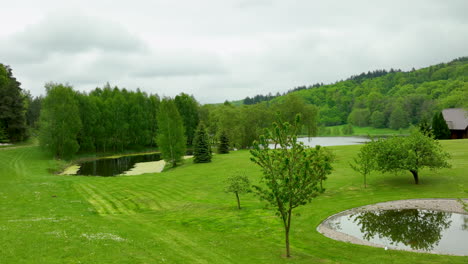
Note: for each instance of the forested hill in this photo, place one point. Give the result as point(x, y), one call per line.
point(392, 98)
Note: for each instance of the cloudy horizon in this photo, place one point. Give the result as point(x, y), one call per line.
point(223, 50)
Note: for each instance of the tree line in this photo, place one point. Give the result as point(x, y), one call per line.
point(111, 119)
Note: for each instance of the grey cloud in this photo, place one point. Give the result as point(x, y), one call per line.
point(69, 34)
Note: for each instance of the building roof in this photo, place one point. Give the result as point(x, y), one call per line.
point(456, 118)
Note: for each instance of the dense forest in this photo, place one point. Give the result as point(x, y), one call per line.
point(393, 99)
point(110, 119)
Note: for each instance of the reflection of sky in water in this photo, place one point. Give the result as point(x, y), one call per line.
point(331, 141)
point(454, 239)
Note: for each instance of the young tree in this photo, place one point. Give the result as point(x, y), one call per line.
point(290, 171)
point(201, 147)
point(439, 127)
point(171, 138)
point(237, 184)
point(364, 163)
point(223, 146)
point(410, 153)
point(60, 121)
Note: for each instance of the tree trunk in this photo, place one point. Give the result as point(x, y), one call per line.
point(415, 175)
point(287, 227)
point(238, 201)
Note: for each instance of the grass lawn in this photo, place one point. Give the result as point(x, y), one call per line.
point(183, 215)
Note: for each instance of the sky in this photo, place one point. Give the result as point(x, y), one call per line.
point(223, 50)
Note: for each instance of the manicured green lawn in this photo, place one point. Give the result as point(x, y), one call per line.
point(183, 215)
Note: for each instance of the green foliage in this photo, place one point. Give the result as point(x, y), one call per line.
point(377, 119)
point(291, 171)
point(171, 135)
point(238, 183)
point(60, 121)
point(440, 127)
point(410, 153)
point(34, 110)
point(364, 163)
point(12, 106)
point(398, 118)
point(359, 117)
point(293, 105)
point(188, 109)
point(418, 92)
point(419, 229)
point(425, 128)
point(347, 129)
point(223, 146)
point(201, 146)
point(3, 135)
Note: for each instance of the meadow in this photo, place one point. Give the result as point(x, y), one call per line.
point(183, 215)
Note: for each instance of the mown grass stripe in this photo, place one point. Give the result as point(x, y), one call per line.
point(117, 205)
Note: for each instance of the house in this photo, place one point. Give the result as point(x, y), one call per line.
point(457, 121)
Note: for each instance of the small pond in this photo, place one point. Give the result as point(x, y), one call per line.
point(407, 229)
point(114, 166)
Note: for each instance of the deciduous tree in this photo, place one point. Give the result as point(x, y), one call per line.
point(171, 137)
point(410, 153)
point(238, 183)
point(60, 121)
point(291, 171)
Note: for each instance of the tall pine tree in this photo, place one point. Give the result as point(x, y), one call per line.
point(201, 147)
point(171, 134)
point(439, 127)
point(223, 146)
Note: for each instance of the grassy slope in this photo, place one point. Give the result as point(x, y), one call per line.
point(183, 215)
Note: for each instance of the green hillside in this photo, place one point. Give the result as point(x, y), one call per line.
point(393, 99)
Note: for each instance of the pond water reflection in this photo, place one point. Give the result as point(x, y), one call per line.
point(114, 166)
point(408, 229)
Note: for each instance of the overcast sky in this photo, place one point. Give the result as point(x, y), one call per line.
point(223, 49)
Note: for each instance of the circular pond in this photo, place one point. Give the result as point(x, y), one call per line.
point(432, 226)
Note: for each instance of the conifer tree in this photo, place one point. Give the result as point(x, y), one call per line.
point(12, 107)
point(201, 147)
point(223, 147)
point(3, 135)
point(439, 127)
